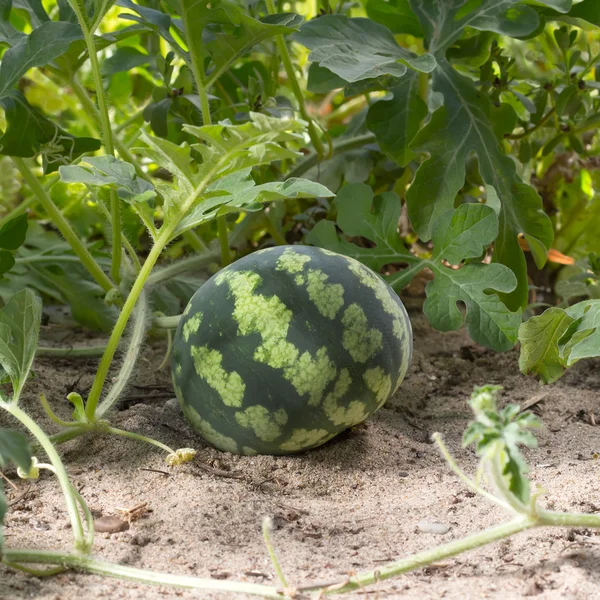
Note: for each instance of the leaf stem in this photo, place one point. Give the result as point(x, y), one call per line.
point(313, 131)
point(139, 438)
point(197, 69)
point(182, 266)
point(119, 328)
point(61, 473)
point(130, 358)
point(526, 132)
point(98, 567)
point(223, 240)
point(343, 145)
point(63, 225)
point(107, 137)
point(267, 526)
point(422, 559)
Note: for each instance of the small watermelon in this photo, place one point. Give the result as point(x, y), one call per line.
point(287, 347)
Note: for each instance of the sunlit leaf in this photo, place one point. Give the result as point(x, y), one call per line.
point(19, 330)
point(457, 235)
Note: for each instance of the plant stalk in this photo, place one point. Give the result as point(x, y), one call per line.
point(61, 473)
point(119, 328)
point(223, 240)
point(313, 131)
point(99, 567)
point(130, 358)
point(107, 137)
point(63, 226)
point(344, 145)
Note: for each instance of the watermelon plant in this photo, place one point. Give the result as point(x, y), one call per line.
point(146, 146)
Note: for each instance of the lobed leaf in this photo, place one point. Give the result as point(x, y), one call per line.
point(44, 44)
point(396, 120)
point(457, 235)
point(29, 132)
point(558, 338)
point(238, 191)
point(467, 123)
point(358, 49)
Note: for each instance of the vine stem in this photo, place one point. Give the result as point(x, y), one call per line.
point(119, 327)
point(131, 356)
point(223, 240)
point(163, 239)
point(100, 567)
point(89, 106)
point(107, 136)
point(526, 132)
point(313, 132)
point(61, 473)
point(63, 225)
point(198, 73)
point(182, 266)
point(139, 438)
point(344, 145)
point(267, 527)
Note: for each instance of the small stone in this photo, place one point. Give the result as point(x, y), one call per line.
point(533, 589)
point(432, 527)
point(172, 405)
point(110, 524)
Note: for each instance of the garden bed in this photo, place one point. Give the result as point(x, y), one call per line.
point(352, 505)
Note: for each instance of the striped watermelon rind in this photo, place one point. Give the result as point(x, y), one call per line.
point(287, 347)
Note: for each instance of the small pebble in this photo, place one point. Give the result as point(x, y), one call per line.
point(110, 524)
point(435, 528)
point(171, 405)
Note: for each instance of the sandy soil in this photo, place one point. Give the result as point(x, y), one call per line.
point(351, 505)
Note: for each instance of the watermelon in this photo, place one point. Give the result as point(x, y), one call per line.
point(287, 347)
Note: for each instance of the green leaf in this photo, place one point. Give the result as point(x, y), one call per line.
point(397, 15)
point(74, 287)
point(516, 21)
point(246, 33)
point(8, 33)
point(19, 330)
point(238, 191)
point(468, 123)
point(108, 171)
point(497, 435)
point(563, 6)
point(79, 413)
point(13, 232)
point(124, 59)
point(582, 340)
point(322, 81)
point(444, 22)
point(588, 10)
point(358, 49)
point(15, 448)
point(153, 19)
point(7, 262)
point(539, 337)
point(396, 120)
point(225, 149)
point(558, 338)
point(457, 236)
point(29, 132)
point(44, 44)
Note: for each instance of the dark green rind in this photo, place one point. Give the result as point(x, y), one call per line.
point(308, 331)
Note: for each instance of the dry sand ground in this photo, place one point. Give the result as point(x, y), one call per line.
point(351, 505)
